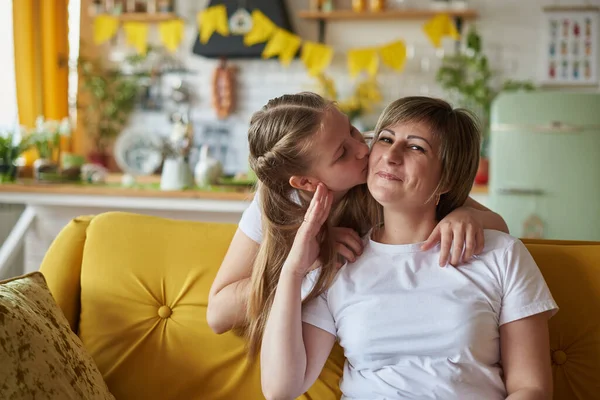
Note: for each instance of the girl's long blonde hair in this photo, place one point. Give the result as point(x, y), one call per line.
point(280, 147)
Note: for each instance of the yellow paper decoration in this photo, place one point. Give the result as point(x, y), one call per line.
point(439, 26)
point(212, 19)
point(105, 27)
point(282, 43)
point(316, 57)
point(262, 29)
point(363, 60)
point(394, 55)
point(137, 35)
point(171, 33)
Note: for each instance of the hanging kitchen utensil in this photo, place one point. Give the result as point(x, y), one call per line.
point(223, 95)
point(240, 21)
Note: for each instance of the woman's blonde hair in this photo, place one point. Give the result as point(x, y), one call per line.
point(458, 133)
point(280, 146)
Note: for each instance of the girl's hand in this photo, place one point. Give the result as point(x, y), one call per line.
point(461, 229)
point(305, 249)
point(347, 243)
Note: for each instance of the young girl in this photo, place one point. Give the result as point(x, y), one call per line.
point(297, 141)
point(409, 329)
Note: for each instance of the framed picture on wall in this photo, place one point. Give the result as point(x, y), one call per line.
point(570, 46)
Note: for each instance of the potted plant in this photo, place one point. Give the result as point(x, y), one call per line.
point(46, 138)
point(176, 173)
point(10, 149)
point(111, 97)
point(470, 82)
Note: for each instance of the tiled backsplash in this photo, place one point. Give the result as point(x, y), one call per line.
point(509, 29)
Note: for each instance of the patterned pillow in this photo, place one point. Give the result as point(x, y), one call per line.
point(41, 358)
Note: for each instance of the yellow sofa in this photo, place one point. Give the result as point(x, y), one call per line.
point(135, 290)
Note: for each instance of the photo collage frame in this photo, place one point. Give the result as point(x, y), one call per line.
point(570, 50)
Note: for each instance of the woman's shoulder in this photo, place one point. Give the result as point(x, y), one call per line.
point(498, 241)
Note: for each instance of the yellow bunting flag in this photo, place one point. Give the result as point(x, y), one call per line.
point(262, 29)
point(137, 35)
point(394, 55)
point(282, 43)
point(171, 33)
point(438, 27)
point(363, 60)
point(212, 19)
point(316, 57)
point(105, 27)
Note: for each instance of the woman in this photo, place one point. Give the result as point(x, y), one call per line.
point(297, 141)
point(411, 330)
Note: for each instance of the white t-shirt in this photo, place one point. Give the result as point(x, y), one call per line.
point(250, 223)
point(413, 330)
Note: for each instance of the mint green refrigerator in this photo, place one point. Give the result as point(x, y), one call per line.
point(545, 164)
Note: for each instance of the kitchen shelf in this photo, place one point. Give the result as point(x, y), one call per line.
point(323, 17)
point(407, 14)
point(146, 17)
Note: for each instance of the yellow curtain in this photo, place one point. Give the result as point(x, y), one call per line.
point(28, 79)
point(40, 29)
point(55, 58)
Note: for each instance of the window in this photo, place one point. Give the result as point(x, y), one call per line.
point(74, 14)
point(8, 99)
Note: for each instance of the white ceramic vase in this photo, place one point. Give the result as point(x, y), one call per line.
point(208, 170)
point(175, 174)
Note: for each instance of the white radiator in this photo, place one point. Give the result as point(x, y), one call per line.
point(9, 214)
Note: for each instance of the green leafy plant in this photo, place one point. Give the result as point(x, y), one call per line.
point(469, 78)
point(10, 150)
point(45, 137)
point(111, 98)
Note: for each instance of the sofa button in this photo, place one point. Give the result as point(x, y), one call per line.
point(559, 357)
point(164, 312)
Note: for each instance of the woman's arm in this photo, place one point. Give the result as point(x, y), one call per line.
point(525, 352)
point(293, 353)
point(489, 219)
point(462, 231)
point(229, 292)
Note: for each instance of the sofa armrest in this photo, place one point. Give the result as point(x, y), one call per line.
point(62, 268)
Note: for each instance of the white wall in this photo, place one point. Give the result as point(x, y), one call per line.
point(511, 31)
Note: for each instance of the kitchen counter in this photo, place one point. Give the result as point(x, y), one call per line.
point(145, 194)
point(50, 206)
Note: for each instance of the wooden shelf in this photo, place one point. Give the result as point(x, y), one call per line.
point(145, 187)
point(407, 14)
point(146, 17)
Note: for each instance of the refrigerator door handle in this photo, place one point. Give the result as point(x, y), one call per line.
point(520, 191)
point(552, 127)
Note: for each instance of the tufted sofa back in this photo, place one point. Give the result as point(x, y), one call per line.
point(135, 289)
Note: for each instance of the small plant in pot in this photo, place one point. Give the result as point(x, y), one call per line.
point(110, 98)
point(470, 82)
point(11, 147)
point(46, 139)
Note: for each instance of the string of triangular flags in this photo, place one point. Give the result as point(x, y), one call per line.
point(136, 33)
point(280, 43)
